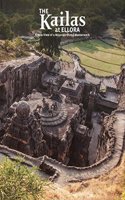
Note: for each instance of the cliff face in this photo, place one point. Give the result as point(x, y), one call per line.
point(122, 102)
point(19, 77)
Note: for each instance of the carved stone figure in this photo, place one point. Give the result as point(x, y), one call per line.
point(45, 107)
point(71, 83)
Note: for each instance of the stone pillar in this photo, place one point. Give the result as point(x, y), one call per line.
point(90, 108)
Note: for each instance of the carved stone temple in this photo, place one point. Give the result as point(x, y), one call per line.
point(49, 108)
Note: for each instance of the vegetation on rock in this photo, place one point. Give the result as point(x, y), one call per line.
point(18, 182)
point(10, 49)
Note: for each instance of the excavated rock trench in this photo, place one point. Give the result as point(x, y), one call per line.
point(95, 132)
point(73, 174)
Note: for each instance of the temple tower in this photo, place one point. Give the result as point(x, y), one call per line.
point(23, 132)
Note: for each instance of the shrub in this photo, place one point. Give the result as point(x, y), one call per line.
point(18, 182)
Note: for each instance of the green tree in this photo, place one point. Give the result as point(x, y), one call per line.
point(22, 25)
point(50, 45)
point(5, 31)
point(5, 28)
point(96, 24)
point(3, 17)
point(21, 6)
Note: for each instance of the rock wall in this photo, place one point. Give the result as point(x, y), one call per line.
point(106, 141)
point(20, 78)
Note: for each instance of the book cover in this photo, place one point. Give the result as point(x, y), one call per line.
point(62, 99)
